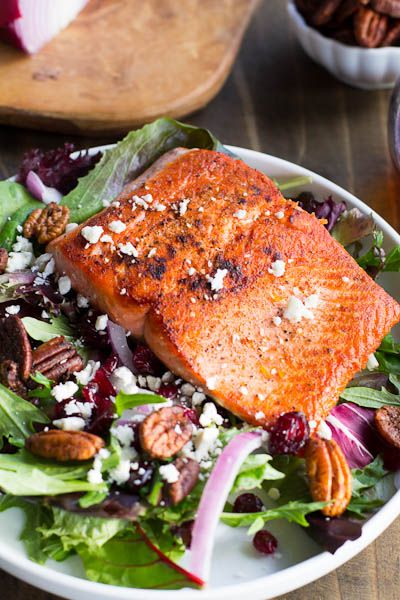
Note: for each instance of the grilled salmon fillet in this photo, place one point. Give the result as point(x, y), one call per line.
point(234, 288)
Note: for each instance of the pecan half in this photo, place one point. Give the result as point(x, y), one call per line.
point(165, 432)
point(9, 376)
point(387, 7)
point(329, 475)
point(387, 421)
point(3, 260)
point(324, 12)
point(15, 345)
point(393, 35)
point(188, 475)
point(370, 27)
point(56, 359)
point(64, 445)
point(46, 224)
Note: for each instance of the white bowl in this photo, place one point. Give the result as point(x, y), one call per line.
point(366, 68)
point(237, 570)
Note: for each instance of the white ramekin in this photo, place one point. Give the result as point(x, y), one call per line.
point(366, 68)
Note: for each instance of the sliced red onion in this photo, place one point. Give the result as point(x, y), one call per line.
point(18, 278)
point(40, 191)
point(29, 24)
point(353, 429)
point(117, 336)
point(214, 497)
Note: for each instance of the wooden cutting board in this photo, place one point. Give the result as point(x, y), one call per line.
point(122, 63)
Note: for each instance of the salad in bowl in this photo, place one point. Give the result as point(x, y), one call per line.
point(181, 344)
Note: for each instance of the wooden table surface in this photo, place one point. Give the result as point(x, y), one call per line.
point(277, 101)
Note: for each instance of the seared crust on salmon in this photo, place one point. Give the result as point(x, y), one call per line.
point(234, 287)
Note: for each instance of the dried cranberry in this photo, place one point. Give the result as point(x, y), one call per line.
point(247, 503)
point(140, 476)
point(265, 542)
point(391, 459)
point(86, 325)
point(289, 434)
point(145, 362)
point(103, 416)
point(168, 390)
point(192, 415)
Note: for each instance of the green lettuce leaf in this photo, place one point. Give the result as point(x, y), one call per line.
point(129, 560)
point(16, 204)
point(124, 401)
point(388, 355)
point(255, 470)
point(17, 417)
point(371, 398)
point(43, 331)
point(352, 226)
point(73, 530)
point(130, 157)
point(374, 257)
point(294, 512)
point(22, 474)
point(372, 487)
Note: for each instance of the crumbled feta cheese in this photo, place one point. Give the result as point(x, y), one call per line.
point(280, 214)
point(167, 377)
point(169, 473)
point(106, 239)
point(217, 281)
point(191, 271)
point(84, 408)
point(210, 416)
point(312, 301)
point(152, 253)
point(211, 382)
point(70, 423)
point(324, 431)
point(159, 207)
point(372, 362)
point(183, 205)
point(13, 309)
point(346, 279)
point(273, 371)
point(205, 442)
point(117, 226)
point(198, 398)
point(70, 227)
point(120, 474)
point(259, 415)
point(83, 377)
point(240, 214)
point(187, 389)
point(243, 390)
point(22, 245)
point(276, 321)
point(124, 434)
point(128, 249)
point(95, 475)
point(62, 391)
point(81, 301)
point(274, 493)
point(277, 268)
point(92, 234)
point(124, 380)
point(101, 322)
point(312, 424)
point(64, 285)
point(296, 310)
point(153, 383)
point(18, 261)
point(106, 203)
point(45, 314)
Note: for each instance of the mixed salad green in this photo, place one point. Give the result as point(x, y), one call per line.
point(113, 511)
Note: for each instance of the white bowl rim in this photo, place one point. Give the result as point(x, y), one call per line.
point(298, 18)
point(271, 585)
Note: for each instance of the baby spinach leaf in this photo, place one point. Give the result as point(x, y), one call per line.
point(16, 204)
point(43, 331)
point(124, 401)
point(17, 417)
point(130, 157)
point(370, 398)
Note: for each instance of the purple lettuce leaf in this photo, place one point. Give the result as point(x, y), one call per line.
point(56, 168)
point(328, 209)
point(353, 429)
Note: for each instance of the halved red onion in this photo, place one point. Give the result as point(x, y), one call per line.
point(119, 344)
point(29, 24)
point(214, 497)
point(40, 191)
